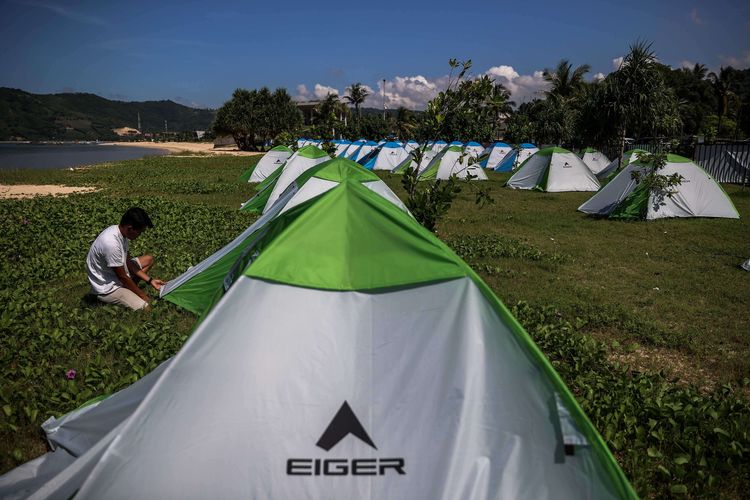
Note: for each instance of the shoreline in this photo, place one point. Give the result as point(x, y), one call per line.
point(205, 148)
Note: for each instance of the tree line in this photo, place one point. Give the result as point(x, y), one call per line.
point(643, 99)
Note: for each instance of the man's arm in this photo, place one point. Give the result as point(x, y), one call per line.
point(128, 283)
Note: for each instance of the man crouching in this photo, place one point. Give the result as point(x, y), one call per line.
point(113, 274)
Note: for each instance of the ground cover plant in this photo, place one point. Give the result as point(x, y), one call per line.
point(645, 321)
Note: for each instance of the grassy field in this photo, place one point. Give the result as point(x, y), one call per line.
point(647, 322)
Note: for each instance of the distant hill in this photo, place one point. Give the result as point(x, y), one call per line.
point(89, 117)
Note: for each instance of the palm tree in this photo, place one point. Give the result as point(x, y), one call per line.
point(357, 95)
point(722, 84)
point(699, 71)
point(634, 89)
point(566, 82)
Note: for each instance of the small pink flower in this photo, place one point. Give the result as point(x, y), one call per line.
point(70, 374)
point(25, 221)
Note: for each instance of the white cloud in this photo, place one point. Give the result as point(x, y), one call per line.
point(741, 62)
point(598, 77)
point(322, 91)
point(411, 92)
point(687, 64)
point(695, 17)
point(521, 87)
point(617, 62)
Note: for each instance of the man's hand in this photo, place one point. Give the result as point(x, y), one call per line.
point(157, 284)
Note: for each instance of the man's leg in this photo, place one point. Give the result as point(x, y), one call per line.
point(142, 262)
point(124, 297)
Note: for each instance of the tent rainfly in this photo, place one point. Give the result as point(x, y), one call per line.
point(452, 161)
point(515, 158)
point(438, 146)
point(492, 158)
point(389, 370)
point(388, 157)
point(554, 170)
point(611, 169)
point(595, 160)
point(270, 189)
point(474, 149)
point(268, 164)
point(698, 195)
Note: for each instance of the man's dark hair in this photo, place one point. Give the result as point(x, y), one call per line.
point(136, 217)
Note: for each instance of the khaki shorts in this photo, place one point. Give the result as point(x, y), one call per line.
point(123, 297)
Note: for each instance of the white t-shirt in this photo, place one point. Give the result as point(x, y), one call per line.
point(110, 249)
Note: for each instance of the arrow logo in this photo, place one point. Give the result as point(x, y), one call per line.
point(344, 423)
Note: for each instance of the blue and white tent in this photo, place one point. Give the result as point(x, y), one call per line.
point(411, 146)
point(474, 149)
point(341, 146)
point(495, 154)
point(363, 151)
point(353, 149)
point(515, 158)
point(438, 146)
point(388, 157)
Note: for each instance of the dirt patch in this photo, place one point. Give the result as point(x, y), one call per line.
point(32, 190)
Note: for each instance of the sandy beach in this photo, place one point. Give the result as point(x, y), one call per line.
point(192, 148)
point(31, 190)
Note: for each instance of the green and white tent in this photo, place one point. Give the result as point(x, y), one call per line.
point(271, 161)
point(595, 160)
point(358, 357)
point(272, 187)
point(453, 161)
point(554, 170)
point(611, 169)
point(427, 156)
point(198, 288)
point(699, 195)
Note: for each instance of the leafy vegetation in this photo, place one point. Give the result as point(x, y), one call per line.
point(89, 117)
point(644, 322)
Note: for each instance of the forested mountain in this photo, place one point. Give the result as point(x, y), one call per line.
point(89, 117)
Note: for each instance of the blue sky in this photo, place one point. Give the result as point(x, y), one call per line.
point(197, 53)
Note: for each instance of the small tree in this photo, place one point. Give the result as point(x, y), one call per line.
point(429, 201)
point(660, 186)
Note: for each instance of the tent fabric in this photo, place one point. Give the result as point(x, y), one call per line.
point(427, 156)
point(389, 157)
point(196, 289)
point(525, 151)
point(595, 160)
point(453, 161)
point(611, 169)
point(554, 170)
point(306, 158)
point(699, 195)
point(435, 373)
point(410, 146)
point(438, 146)
point(474, 149)
point(271, 161)
point(497, 152)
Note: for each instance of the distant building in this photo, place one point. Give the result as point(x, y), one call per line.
point(126, 131)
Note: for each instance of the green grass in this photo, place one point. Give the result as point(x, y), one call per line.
point(666, 284)
point(660, 372)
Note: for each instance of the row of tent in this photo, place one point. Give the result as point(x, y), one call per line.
point(500, 156)
point(343, 351)
point(550, 170)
